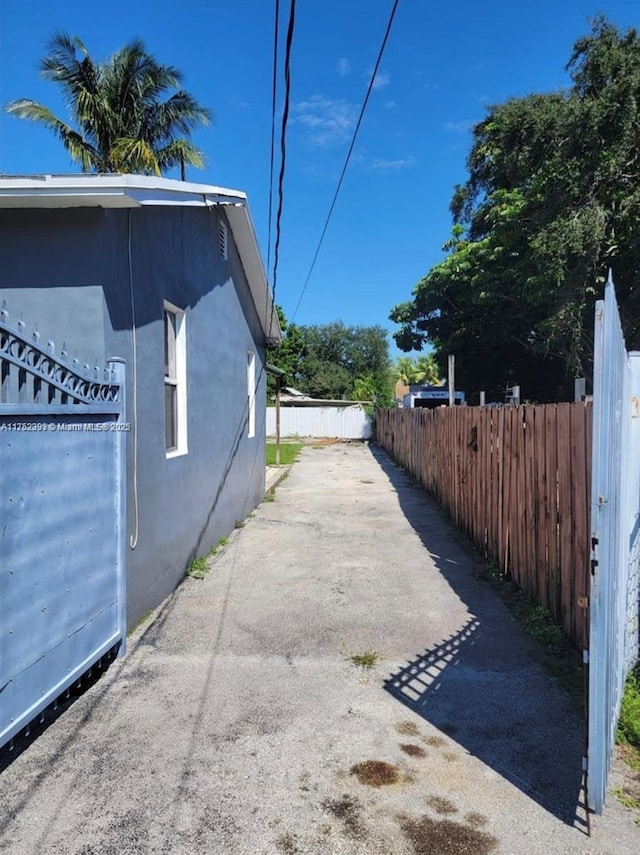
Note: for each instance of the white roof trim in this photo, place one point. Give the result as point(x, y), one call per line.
point(135, 191)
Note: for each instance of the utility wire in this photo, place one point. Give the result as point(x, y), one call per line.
point(283, 149)
point(346, 163)
point(273, 127)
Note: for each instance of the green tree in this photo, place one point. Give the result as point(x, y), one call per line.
point(421, 370)
point(128, 113)
point(552, 200)
point(330, 360)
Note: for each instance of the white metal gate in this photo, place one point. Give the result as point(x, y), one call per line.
point(62, 522)
point(615, 503)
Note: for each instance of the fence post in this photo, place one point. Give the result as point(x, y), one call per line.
point(118, 368)
point(451, 374)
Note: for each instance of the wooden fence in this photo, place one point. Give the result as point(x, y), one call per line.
point(517, 481)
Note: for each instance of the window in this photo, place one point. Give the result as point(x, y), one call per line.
point(251, 394)
point(223, 238)
point(175, 381)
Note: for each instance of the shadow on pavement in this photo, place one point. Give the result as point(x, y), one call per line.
point(483, 685)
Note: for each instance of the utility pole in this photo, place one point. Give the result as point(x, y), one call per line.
point(451, 374)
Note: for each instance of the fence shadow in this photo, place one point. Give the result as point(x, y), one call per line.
point(483, 684)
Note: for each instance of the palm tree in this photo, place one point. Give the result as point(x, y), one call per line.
point(406, 371)
point(125, 117)
point(428, 370)
point(420, 371)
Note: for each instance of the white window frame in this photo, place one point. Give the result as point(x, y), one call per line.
point(251, 394)
point(176, 376)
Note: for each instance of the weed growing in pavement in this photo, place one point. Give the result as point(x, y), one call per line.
point(364, 660)
point(198, 568)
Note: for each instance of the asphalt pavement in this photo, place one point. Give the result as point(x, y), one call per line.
point(339, 683)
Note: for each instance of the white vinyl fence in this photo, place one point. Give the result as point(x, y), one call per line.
point(350, 422)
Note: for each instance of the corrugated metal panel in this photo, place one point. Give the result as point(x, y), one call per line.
point(62, 547)
point(615, 494)
point(321, 422)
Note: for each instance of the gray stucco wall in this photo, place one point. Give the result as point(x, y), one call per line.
point(69, 271)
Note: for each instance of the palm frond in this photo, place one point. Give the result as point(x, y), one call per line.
point(79, 149)
point(124, 119)
point(134, 155)
point(180, 152)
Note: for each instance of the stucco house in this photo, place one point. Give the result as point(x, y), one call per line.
point(167, 275)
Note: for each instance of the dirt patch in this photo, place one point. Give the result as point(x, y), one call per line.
point(441, 805)
point(407, 728)
point(376, 773)
point(413, 750)
point(434, 741)
point(476, 820)
point(288, 843)
point(437, 836)
point(349, 811)
point(450, 757)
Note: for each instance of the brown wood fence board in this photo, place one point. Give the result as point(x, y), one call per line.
point(531, 545)
point(493, 506)
point(551, 490)
point(498, 511)
point(519, 524)
point(565, 506)
point(542, 515)
point(518, 481)
point(580, 516)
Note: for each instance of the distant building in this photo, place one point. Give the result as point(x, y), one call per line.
point(430, 397)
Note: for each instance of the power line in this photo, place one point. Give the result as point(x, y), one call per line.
point(273, 127)
point(346, 163)
point(283, 147)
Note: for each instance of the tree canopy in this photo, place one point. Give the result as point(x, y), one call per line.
point(335, 361)
point(552, 201)
point(128, 113)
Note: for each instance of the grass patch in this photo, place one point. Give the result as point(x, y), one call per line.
point(629, 723)
point(628, 738)
point(289, 452)
point(199, 567)
point(624, 798)
point(364, 660)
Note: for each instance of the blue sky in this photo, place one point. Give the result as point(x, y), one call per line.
point(444, 62)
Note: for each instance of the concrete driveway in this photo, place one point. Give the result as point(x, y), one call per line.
point(238, 724)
